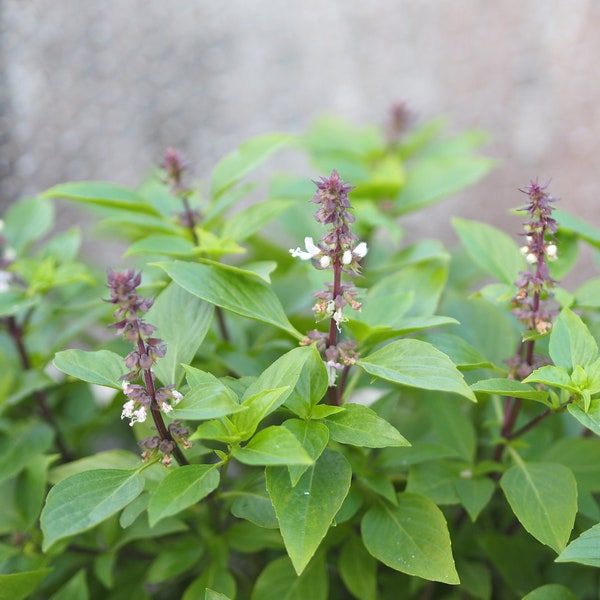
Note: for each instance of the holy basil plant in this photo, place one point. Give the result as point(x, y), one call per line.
point(283, 399)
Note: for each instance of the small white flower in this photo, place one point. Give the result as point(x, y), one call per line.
point(166, 407)
point(177, 397)
point(128, 409)
point(361, 250)
point(524, 250)
point(126, 388)
point(347, 257)
point(551, 252)
point(325, 261)
point(331, 373)
point(338, 317)
point(531, 258)
point(311, 250)
point(139, 416)
point(5, 278)
point(9, 254)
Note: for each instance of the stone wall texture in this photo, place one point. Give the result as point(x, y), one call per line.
point(96, 89)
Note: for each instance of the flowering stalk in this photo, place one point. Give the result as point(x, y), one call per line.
point(175, 168)
point(530, 303)
point(338, 250)
point(147, 350)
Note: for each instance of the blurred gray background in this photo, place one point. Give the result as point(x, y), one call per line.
point(96, 89)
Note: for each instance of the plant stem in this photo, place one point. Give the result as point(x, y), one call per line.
point(334, 395)
point(16, 333)
point(157, 417)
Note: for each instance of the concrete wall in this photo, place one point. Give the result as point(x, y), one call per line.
point(96, 89)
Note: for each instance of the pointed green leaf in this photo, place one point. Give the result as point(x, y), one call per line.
point(101, 367)
point(279, 581)
point(493, 250)
point(571, 342)
point(27, 221)
point(208, 398)
point(273, 445)
point(101, 194)
point(412, 538)
point(182, 321)
point(551, 375)
point(585, 549)
point(248, 221)
point(84, 500)
point(551, 591)
point(460, 352)
point(359, 425)
point(257, 407)
point(509, 387)
point(305, 511)
point(543, 497)
point(244, 160)
point(313, 436)
point(416, 364)
point(453, 425)
point(242, 292)
point(212, 595)
point(253, 504)
point(76, 587)
point(474, 493)
point(180, 489)
point(21, 445)
point(358, 569)
point(589, 419)
point(18, 586)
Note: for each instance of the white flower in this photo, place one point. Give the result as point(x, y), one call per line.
point(325, 261)
point(166, 407)
point(311, 250)
point(361, 250)
point(126, 387)
point(531, 258)
point(139, 416)
point(551, 252)
point(128, 409)
point(331, 373)
point(177, 397)
point(9, 254)
point(524, 250)
point(338, 317)
point(5, 278)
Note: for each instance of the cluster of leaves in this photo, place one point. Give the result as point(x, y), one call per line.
point(415, 484)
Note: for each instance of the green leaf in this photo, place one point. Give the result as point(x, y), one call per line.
point(182, 320)
point(313, 437)
point(589, 419)
point(585, 549)
point(305, 511)
point(435, 177)
point(551, 591)
point(509, 387)
point(494, 251)
point(180, 489)
point(101, 367)
point(241, 292)
point(543, 497)
point(453, 425)
point(76, 587)
point(208, 398)
point(358, 425)
point(109, 459)
point(581, 228)
point(358, 569)
point(18, 586)
point(101, 194)
point(273, 445)
point(474, 494)
point(416, 364)
point(279, 581)
point(248, 221)
point(460, 352)
point(412, 538)
point(84, 500)
point(21, 445)
point(588, 294)
point(435, 479)
point(550, 375)
point(27, 221)
point(169, 245)
point(257, 406)
point(571, 342)
point(253, 504)
point(244, 160)
point(212, 595)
